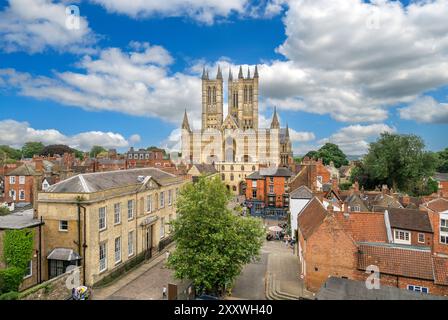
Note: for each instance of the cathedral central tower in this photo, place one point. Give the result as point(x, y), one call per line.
point(212, 101)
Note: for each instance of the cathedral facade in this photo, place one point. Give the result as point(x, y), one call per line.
point(235, 139)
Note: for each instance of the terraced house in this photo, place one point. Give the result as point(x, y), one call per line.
point(105, 220)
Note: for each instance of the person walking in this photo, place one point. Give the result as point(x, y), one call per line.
point(164, 292)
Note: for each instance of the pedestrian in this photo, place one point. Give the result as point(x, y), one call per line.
point(164, 292)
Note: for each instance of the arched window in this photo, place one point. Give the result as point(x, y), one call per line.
point(223, 168)
point(245, 94)
point(231, 177)
point(231, 168)
point(242, 168)
point(209, 95)
point(253, 168)
point(250, 94)
point(223, 177)
point(234, 188)
point(214, 94)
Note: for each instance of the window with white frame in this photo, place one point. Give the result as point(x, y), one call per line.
point(130, 209)
point(162, 227)
point(103, 256)
point(28, 270)
point(254, 183)
point(162, 199)
point(356, 208)
point(444, 229)
point(418, 288)
point(63, 225)
point(117, 213)
point(102, 220)
point(12, 180)
point(271, 189)
point(117, 250)
point(170, 197)
point(402, 236)
point(21, 179)
point(21, 194)
point(130, 243)
point(421, 238)
point(149, 203)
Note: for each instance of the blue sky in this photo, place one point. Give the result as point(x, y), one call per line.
point(341, 70)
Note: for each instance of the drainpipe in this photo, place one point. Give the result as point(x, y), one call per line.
point(39, 265)
point(84, 244)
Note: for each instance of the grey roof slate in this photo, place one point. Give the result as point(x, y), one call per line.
point(409, 219)
point(93, 182)
point(206, 169)
point(302, 192)
point(23, 170)
point(19, 220)
point(346, 289)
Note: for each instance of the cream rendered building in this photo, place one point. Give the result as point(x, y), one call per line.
point(107, 219)
point(236, 140)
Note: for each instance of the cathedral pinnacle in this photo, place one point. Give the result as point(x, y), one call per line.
point(219, 74)
point(275, 124)
point(240, 74)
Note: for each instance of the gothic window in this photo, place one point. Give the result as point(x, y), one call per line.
point(253, 168)
point(242, 168)
point(214, 94)
point(245, 94)
point(250, 94)
point(222, 168)
point(231, 168)
point(209, 94)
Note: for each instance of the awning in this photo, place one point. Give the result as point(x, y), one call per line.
point(63, 254)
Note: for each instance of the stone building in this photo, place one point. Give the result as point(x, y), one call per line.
point(104, 220)
point(235, 139)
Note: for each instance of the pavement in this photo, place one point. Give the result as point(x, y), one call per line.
point(143, 283)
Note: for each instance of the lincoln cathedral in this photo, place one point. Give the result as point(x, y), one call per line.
point(235, 138)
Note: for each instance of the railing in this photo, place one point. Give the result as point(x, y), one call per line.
point(164, 242)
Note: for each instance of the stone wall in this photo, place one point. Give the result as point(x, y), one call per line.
point(53, 289)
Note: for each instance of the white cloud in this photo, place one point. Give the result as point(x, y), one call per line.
point(16, 134)
point(205, 11)
point(134, 139)
point(354, 139)
point(302, 136)
point(339, 64)
point(425, 110)
point(34, 25)
point(136, 83)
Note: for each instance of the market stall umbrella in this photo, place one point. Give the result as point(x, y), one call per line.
point(275, 229)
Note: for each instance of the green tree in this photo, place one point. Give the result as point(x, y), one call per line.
point(329, 152)
point(78, 154)
point(400, 161)
point(96, 150)
point(212, 243)
point(443, 160)
point(56, 149)
point(8, 153)
point(30, 149)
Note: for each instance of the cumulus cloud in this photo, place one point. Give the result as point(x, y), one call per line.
point(16, 134)
point(354, 139)
point(425, 110)
point(35, 25)
point(134, 82)
point(354, 59)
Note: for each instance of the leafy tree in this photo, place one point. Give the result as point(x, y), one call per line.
point(329, 152)
point(30, 149)
point(154, 148)
point(78, 154)
point(96, 150)
point(55, 149)
point(443, 160)
point(8, 153)
point(212, 243)
point(298, 159)
point(4, 211)
point(399, 161)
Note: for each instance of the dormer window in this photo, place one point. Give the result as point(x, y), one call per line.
point(402, 236)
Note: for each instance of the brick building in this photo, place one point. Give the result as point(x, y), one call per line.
point(344, 244)
point(438, 213)
point(311, 173)
point(267, 191)
point(442, 179)
point(21, 184)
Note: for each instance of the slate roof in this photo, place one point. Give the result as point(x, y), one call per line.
point(275, 172)
point(346, 289)
point(24, 170)
point(206, 169)
point(311, 217)
point(302, 192)
point(255, 176)
point(397, 260)
point(364, 226)
point(439, 176)
point(384, 200)
point(438, 205)
point(409, 219)
point(93, 182)
point(19, 220)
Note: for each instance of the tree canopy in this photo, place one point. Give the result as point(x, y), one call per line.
point(443, 160)
point(55, 149)
point(96, 150)
point(329, 152)
point(212, 243)
point(8, 153)
point(30, 149)
point(400, 161)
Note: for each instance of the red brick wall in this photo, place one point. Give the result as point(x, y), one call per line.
point(27, 187)
point(329, 252)
point(444, 188)
point(428, 239)
point(435, 222)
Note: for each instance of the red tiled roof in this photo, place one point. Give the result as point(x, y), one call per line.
point(364, 226)
point(411, 263)
point(311, 217)
point(440, 270)
point(438, 205)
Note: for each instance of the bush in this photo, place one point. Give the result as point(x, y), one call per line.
point(13, 295)
point(10, 279)
point(4, 211)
